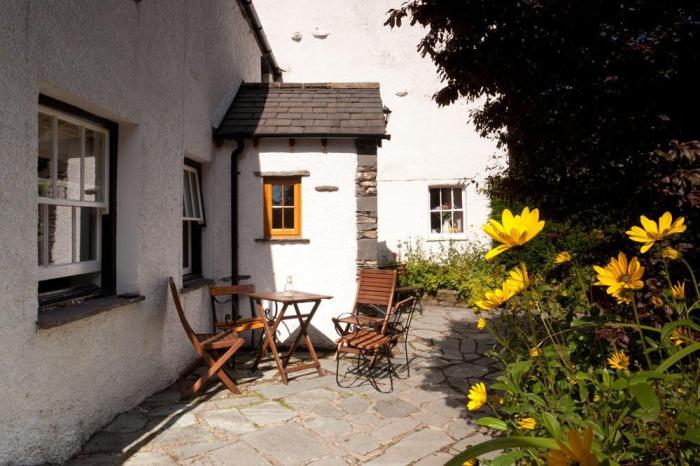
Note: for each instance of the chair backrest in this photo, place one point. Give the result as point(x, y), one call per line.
point(376, 287)
point(401, 315)
point(181, 313)
point(228, 290)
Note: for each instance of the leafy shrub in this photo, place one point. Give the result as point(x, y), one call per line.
point(594, 375)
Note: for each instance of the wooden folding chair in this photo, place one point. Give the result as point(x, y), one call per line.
point(241, 324)
point(214, 349)
point(369, 345)
point(375, 295)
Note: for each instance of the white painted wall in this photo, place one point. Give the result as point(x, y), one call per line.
point(326, 265)
point(429, 145)
point(166, 71)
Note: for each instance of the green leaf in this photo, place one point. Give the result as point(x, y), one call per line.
point(693, 435)
point(619, 384)
point(677, 357)
point(507, 459)
point(669, 327)
point(551, 424)
point(518, 369)
point(501, 444)
point(644, 376)
point(649, 406)
point(492, 422)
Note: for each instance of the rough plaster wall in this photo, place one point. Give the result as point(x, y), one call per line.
point(165, 71)
point(326, 265)
point(429, 145)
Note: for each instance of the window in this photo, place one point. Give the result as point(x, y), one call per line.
point(446, 211)
point(282, 206)
point(73, 193)
point(192, 220)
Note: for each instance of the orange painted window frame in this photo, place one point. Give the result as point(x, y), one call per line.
point(268, 183)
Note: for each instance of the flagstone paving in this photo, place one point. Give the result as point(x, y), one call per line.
point(312, 421)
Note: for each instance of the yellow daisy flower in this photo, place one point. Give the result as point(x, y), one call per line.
point(562, 258)
point(513, 230)
point(671, 254)
point(518, 279)
point(680, 335)
point(481, 324)
point(526, 423)
point(678, 291)
point(534, 352)
point(495, 298)
point(620, 275)
point(656, 301)
point(470, 462)
point(577, 452)
point(477, 396)
point(651, 232)
point(619, 360)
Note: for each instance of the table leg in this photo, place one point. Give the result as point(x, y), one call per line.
point(270, 340)
point(303, 325)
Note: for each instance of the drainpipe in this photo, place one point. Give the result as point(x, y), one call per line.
point(240, 145)
point(252, 17)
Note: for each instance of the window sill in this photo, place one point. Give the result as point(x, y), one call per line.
point(64, 315)
point(457, 237)
point(195, 283)
point(284, 239)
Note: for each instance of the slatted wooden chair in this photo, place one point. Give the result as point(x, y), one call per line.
point(375, 295)
point(214, 349)
point(368, 345)
point(233, 292)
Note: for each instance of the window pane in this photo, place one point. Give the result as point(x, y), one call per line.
point(44, 149)
point(195, 195)
point(277, 217)
point(187, 196)
point(86, 234)
point(457, 198)
point(434, 198)
point(68, 172)
point(186, 245)
point(289, 217)
point(276, 194)
point(446, 194)
point(435, 222)
point(458, 222)
point(60, 231)
point(289, 195)
point(40, 238)
point(94, 166)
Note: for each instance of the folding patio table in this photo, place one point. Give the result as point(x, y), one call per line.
point(288, 299)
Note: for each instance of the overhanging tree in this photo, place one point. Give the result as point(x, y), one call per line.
point(591, 98)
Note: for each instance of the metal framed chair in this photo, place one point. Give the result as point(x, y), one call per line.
point(214, 349)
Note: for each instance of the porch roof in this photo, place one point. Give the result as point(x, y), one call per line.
point(286, 110)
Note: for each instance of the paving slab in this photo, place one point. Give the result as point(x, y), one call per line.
point(412, 448)
point(329, 426)
point(229, 420)
point(238, 453)
point(268, 413)
point(289, 444)
point(394, 408)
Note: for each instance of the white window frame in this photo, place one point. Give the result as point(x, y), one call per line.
point(46, 271)
point(463, 209)
point(195, 196)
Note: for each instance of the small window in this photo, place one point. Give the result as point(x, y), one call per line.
point(446, 210)
point(282, 206)
point(192, 220)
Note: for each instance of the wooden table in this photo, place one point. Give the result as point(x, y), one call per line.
point(288, 300)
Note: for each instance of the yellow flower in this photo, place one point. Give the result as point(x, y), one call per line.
point(651, 232)
point(619, 360)
point(678, 291)
point(562, 258)
point(680, 335)
point(656, 301)
point(513, 230)
point(671, 254)
point(481, 324)
point(534, 352)
point(495, 298)
point(620, 275)
point(498, 399)
point(527, 423)
point(518, 279)
point(470, 462)
point(477, 396)
point(596, 398)
point(577, 452)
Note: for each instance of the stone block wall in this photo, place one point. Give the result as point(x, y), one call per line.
point(366, 193)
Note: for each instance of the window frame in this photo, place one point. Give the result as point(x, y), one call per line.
point(440, 210)
point(192, 223)
point(268, 183)
point(46, 271)
point(55, 292)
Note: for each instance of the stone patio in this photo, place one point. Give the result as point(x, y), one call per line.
point(424, 421)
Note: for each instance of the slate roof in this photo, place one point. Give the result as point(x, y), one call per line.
point(305, 110)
